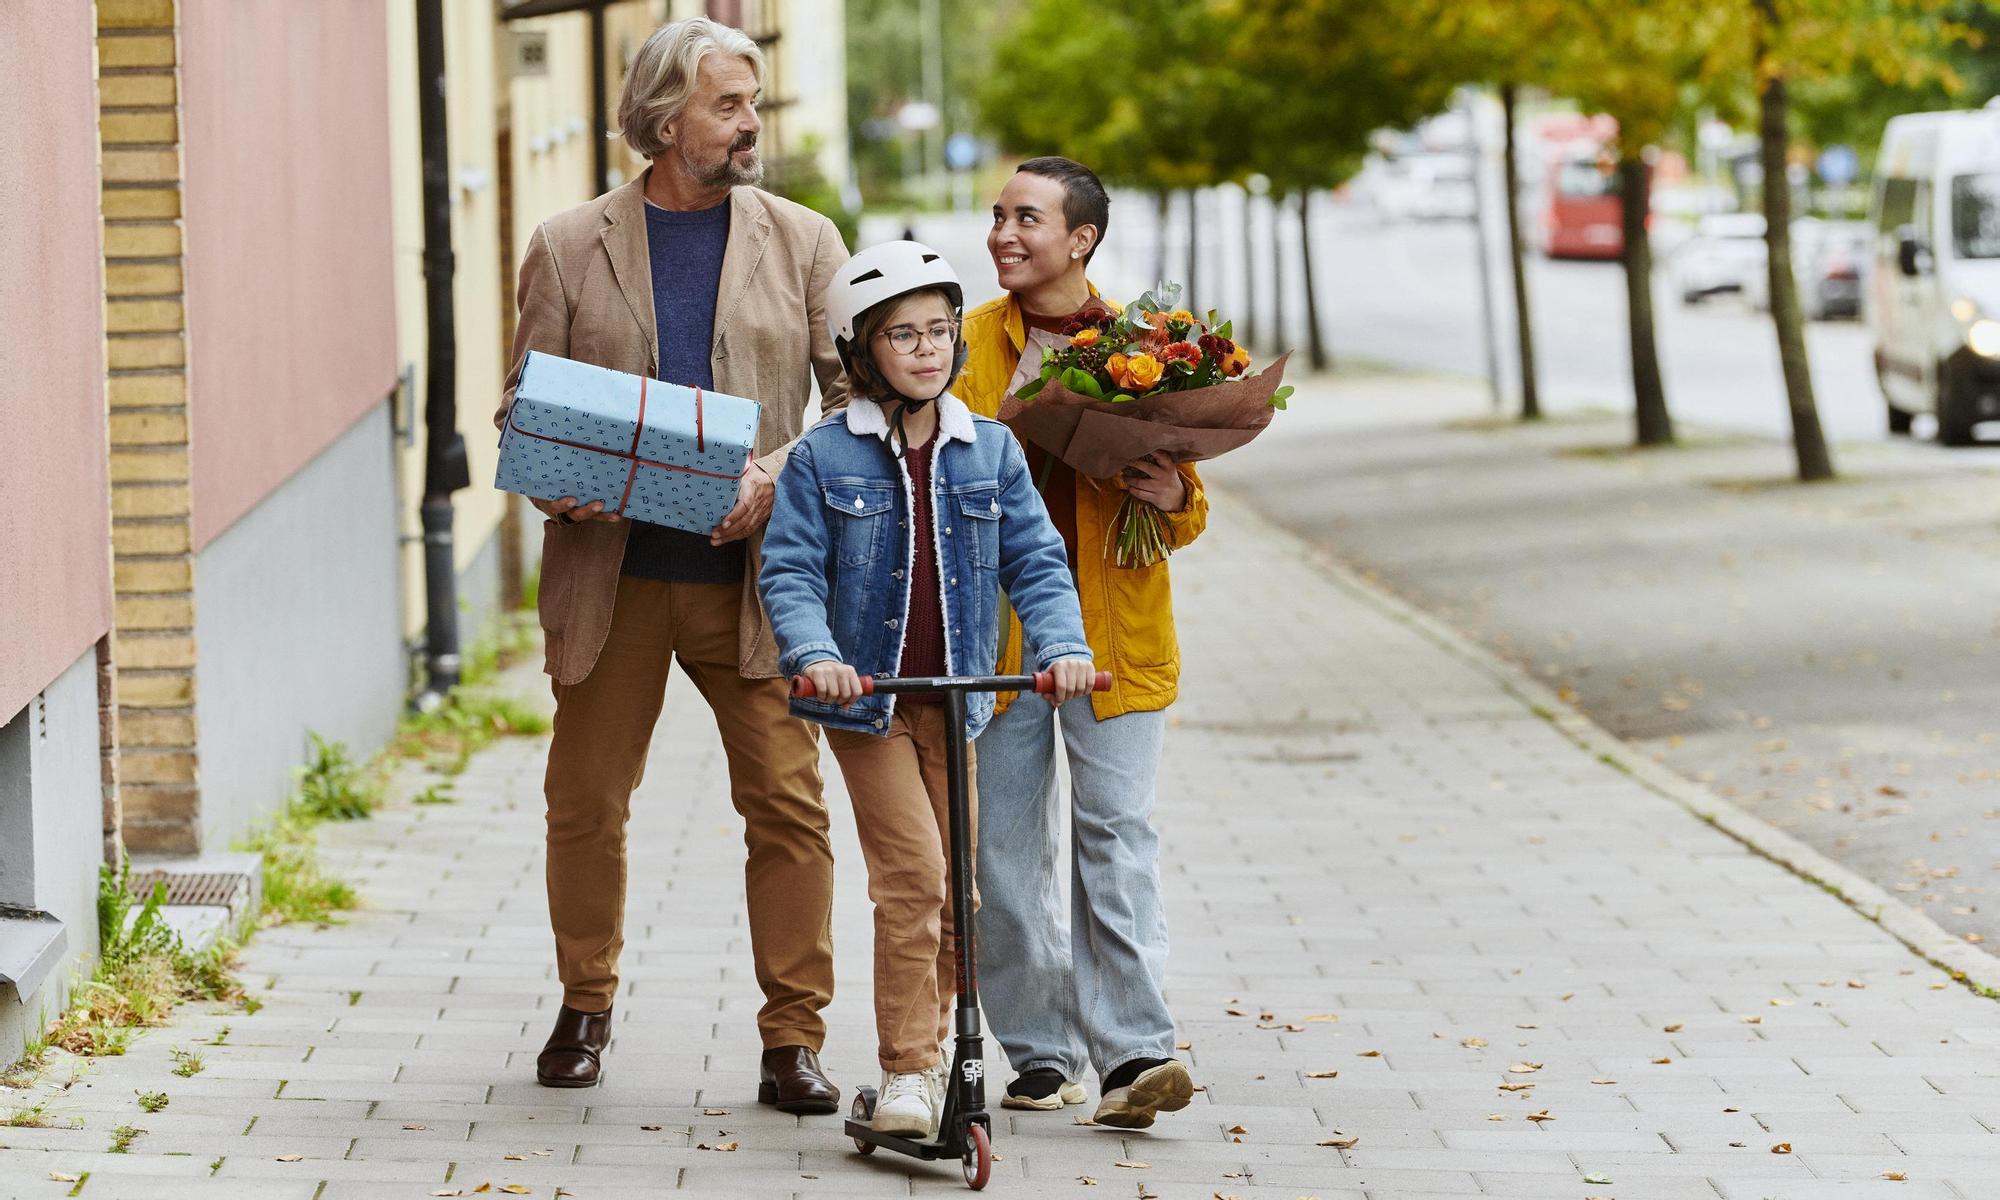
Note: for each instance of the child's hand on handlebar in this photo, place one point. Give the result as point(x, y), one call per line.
point(835, 682)
point(1072, 677)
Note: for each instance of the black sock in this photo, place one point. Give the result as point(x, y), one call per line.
point(1125, 1074)
point(1038, 1084)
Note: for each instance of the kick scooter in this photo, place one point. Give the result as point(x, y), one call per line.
point(964, 1129)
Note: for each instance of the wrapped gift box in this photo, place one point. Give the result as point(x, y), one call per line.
point(651, 451)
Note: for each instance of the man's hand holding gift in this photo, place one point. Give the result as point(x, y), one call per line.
point(754, 493)
point(568, 512)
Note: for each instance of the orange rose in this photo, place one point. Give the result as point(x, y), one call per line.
point(1237, 362)
point(1086, 337)
point(1115, 366)
point(1144, 371)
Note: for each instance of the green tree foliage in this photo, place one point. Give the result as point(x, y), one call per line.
point(885, 70)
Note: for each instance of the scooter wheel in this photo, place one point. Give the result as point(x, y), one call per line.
point(863, 1110)
point(978, 1160)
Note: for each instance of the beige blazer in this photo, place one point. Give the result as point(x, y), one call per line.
point(586, 292)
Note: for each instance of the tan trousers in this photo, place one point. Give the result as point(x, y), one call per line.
point(899, 787)
point(602, 729)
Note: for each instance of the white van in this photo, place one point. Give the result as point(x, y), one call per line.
point(1934, 295)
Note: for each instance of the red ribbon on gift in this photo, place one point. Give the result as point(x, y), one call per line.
point(634, 462)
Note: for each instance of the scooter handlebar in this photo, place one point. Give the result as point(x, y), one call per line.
point(1041, 682)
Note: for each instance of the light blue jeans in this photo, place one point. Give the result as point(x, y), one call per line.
point(1092, 991)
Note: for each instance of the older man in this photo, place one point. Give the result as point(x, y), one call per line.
point(692, 275)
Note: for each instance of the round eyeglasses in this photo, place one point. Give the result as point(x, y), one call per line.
point(903, 339)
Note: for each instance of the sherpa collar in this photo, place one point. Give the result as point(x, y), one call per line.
point(866, 417)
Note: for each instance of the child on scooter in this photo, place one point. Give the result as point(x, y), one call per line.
point(895, 526)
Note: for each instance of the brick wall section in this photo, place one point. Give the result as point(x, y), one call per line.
point(155, 779)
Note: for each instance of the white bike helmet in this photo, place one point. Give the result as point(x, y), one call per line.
point(882, 273)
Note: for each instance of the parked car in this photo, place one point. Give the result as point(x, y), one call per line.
point(1830, 259)
point(1726, 250)
point(1933, 302)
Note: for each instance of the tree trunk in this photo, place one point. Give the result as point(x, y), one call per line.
point(1315, 340)
point(1531, 402)
point(1279, 203)
point(1815, 459)
point(1654, 425)
point(1193, 248)
point(1244, 322)
point(1160, 215)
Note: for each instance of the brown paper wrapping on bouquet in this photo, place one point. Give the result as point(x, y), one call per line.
point(1100, 438)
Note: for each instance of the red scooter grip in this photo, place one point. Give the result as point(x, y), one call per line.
point(1045, 682)
point(802, 686)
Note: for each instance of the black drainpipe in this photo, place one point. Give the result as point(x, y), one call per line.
point(445, 469)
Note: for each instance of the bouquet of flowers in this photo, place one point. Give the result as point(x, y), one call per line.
point(1153, 378)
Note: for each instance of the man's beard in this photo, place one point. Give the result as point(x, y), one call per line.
point(728, 173)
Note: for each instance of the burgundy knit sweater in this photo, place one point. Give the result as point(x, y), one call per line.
point(923, 631)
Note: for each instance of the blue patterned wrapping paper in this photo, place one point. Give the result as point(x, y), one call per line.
point(596, 410)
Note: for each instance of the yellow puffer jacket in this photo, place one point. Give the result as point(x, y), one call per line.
point(1127, 614)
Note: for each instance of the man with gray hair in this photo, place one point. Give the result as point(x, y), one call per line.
point(689, 274)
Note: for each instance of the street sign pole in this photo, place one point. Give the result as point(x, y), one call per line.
point(1467, 105)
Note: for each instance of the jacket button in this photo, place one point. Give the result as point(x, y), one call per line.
point(954, 581)
point(993, 506)
point(896, 574)
point(947, 530)
point(893, 622)
point(879, 722)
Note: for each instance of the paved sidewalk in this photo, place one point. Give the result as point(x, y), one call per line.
point(1396, 892)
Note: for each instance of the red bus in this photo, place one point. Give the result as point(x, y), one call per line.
point(1580, 208)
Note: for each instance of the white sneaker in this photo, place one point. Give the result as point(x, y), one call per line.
point(909, 1102)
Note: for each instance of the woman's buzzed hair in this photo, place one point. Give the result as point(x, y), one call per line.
point(1085, 202)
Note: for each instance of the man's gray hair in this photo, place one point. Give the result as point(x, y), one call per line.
point(663, 77)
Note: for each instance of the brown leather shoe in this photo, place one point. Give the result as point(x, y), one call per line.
point(791, 1079)
point(572, 1057)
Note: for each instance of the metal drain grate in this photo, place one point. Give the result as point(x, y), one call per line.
point(219, 889)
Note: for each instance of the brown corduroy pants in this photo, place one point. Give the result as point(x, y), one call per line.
point(603, 727)
point(901, 811)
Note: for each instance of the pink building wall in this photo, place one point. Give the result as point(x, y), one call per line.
point(289, 252)
point(55, 554)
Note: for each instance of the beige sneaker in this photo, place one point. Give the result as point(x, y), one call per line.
point(1165, 1088)
point(1042, 1090)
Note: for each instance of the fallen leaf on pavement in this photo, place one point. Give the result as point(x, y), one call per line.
point(1347, 1143)
point(1894, 1176)
point(1540, 1116)
point(1597, 1177)
point(1086, 1181)
point(482, 1188)
point(1369, 1054)
point(1237, 1129)
point(1517, 1087)
point(1673, 1028)
point(1132, 1166)
point(1781, 1002)
point(1235, 1012)
point(1496, 1116)
point(1183, 1045)
point(1473, 1043)
point(1602, 1082)
point(649, 1128)
point(1752, 1019)
point(1266, 1015)
point(1782, 1148)
point(1856, 984)
point(1662, 1061)
point(724, 1147)
point(1523, 1068)
point(714, 1112)
point(541, 1153)
point(449, 1192)
point(518, 1189)
point(513, 1158)
point(1323, 1018)
point(291, 1158)
point(1322, 1074)
point(63, 1177)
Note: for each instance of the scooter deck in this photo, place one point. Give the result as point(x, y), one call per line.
point(927, 1150)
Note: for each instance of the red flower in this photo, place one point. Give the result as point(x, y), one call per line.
point(1217, 348)
point(1183, 352)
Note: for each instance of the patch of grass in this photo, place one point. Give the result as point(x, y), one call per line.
point(437, 793)
point(446, 738)
point(221, 1037)
point(32, 1117)
point(295, 889)
point(332, 786)
point(531, 590)
point(123, 1137)
point(504, 643)
point(187, 1064)
point(143, 972)
point(23, 1071)
point(152, 1102)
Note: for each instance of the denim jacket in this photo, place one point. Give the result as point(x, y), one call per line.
point(839, 549)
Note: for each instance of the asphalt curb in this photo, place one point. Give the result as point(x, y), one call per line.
point(1965, 962)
